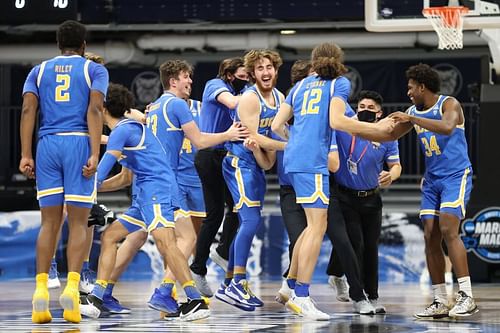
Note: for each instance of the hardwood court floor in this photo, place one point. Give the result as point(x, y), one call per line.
point(401, 302)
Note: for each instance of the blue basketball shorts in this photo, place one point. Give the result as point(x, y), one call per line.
point(448, 194)
point(312, 189)
point(148, 217)
point(191, 201)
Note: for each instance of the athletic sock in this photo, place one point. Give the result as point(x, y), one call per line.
point(301, 289)
point(191, 291)
point(464, 285)
point(166, 286)
point(99, 288)
point(440, 294)
point(291, 282)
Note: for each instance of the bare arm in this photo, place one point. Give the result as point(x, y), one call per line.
point(28, 119)
point(228, 99)
point(452, 116)
point(94, 121)
point(333, 161)
point(121, 180)
point(387, 177)
point(249, 113)
point(203, 140)
point(373, 132)
point(265, 158)
point(278, 125)
point(136, 115)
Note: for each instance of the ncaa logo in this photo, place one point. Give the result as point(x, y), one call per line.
point(451, 79)
point(481, 234)
point(356, 81)
point(146, 87)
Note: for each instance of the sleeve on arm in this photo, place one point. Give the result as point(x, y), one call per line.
point(118, 137)
point(30, 85)
point(99, 77)
point(215, 88)
point(333, 141)
point(392, 153)
point(181, 111)
point(289, 97)
point(342, 88)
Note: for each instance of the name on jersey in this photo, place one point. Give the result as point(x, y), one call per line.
point(62, 68)
point(315, 84)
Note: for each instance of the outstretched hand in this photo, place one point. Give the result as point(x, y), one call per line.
point(400, 117)
point(237, 132)
point(387, 124)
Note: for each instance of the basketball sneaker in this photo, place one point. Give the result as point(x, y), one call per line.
point(304, 307)
point(363, 307)
point(435, 310)
point(240, 292)
point(464, 306)
point(193, 309)
point(202, 284)
point(53, 282)
point(114, 306)
point(91, 306)
point(220, 294)
point(87, 280)
point(284, 294)
point(341, 286)
point(217, 258)
point(162, 302)
point(379, 308)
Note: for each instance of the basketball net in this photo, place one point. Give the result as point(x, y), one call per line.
point(448, 23)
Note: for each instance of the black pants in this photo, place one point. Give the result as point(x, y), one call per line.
point(208, 163)
point(295, 222)
point(363, 216)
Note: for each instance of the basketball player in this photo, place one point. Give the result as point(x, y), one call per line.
point(318, 100)
point(243, 170)
point(136, 148)
point(439, 123)
point(69, 91)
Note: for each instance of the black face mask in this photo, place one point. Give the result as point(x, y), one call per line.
point(238, 85)
point(368, 116)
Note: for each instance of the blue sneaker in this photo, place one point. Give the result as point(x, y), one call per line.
point(220, 294)
point(161, 302)
point(241, 293)
point(53, 281)
point(114, 306)
point(87, 280)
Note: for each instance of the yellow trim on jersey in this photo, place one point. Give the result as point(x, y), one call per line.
point(86, 73)
point(460, 202)
point(241, 187)
point(73, 133)
point(429, 212)
point(50, 191)
point(40, 74)
point(133, 221)
point(318, 193)
point(159, 219)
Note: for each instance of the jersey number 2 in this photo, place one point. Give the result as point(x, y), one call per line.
point(62, 93)
point(310, 102)
point(431, 146)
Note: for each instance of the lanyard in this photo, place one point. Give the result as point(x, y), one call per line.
point(353, 143)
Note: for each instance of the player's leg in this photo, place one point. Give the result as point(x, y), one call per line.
point(87, 275)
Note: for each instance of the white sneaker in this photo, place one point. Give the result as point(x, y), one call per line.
point(363, 307)
point(284, 294)
point(54, 283)
point(435, 310)
point(218, 259)
point(379, 308)
point(464, 306)
point(341, 286)
point(202, 285)
point(304, 307)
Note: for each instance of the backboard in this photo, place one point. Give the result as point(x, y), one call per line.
point(406, 15)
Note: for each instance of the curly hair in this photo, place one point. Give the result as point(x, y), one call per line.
point(94, 57)
point(327, 61)
point(300, 69)
point(118, 100)
point(424, 74)
point(171, 69)
point(373, 95)
point(253, 56)
point(71, 35)
point(229, 66)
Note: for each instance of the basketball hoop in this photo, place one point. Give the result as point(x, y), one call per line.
point(448, 23)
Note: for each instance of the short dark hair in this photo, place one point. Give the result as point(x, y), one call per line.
point(229, 66)
point(370, 94)
point(300, 69)
point(426, 75)
point(118, 100)
point(172, 69)
point(71, 35)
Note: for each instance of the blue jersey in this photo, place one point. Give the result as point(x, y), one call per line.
point(369, 158)
point(167, 114)
point(186, 172)
point(283, 178)
point(143, 154)
point(62, 85)
point(216, 117)
point(267, 114)
point(308, 146)
point(444, 154)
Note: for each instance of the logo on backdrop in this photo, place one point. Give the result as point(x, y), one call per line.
point(481, 234)
point(451, 79)
point(356, 81)
point(146, 87)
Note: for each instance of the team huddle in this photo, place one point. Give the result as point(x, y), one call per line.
point(188, 161)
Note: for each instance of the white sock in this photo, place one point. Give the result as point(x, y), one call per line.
point(464, 285)
point(440, 294)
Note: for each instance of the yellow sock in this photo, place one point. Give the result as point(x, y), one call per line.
point(41, 313)
point(70, 299)
point(102, 283)
point(167, 280)
point(174, 293)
